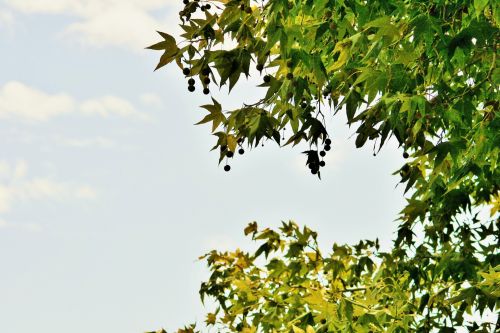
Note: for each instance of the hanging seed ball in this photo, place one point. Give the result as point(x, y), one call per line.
point(207, 6)
point(289, 76)
point(328, 141)
point(186, 71)
point(241, 151)
point(322, 153)
point(206, 91)
point(322, 163)
point(185, 2)
point(227, 167)
point(205, 71)
point(327, 147)
point(267, 78)
point(260, 67)
point(229, 154)
point(206, 80)
point(191, 82)
point(406, 155)
point(191, 88)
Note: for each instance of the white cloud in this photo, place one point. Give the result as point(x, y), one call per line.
point(20, 170)
point(128, 23)
point(110, 105)
point(37, 6)
point(82, 7)
point(113, 27)
point(100, 142)
point(19, 101)
point(85, 192)
point(6, 19)
point(16, 187)
point(5, 199)
point(152, 100)
point(29, 227)
point(39, 188)
point(4, 170)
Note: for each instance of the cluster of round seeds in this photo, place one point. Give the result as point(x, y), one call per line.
point(229, 154)
point(246, 9)
point(205, 7)
point(186, 71)
point(314, 167)
point(289, 75)
point(327, 91)
point(205, 80)
point(192, 8)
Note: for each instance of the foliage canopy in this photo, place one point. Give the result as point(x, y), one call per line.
point(352, 289)
point(422, 72)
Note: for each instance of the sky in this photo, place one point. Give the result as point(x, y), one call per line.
point(109, 193)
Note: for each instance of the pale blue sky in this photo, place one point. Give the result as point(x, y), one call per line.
point(108, 193)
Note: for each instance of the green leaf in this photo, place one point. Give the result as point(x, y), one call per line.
point(251, 228)
point(479, 6)
point(352, 102)
point(170, 47)
point(231, 143)
point(215, 115)
point(342, 49)
point(423, 302)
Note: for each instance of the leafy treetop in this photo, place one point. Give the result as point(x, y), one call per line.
point(423, 72)
point(289, 285)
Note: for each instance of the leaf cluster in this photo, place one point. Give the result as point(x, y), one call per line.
point(422, 73)
point(289, 285)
